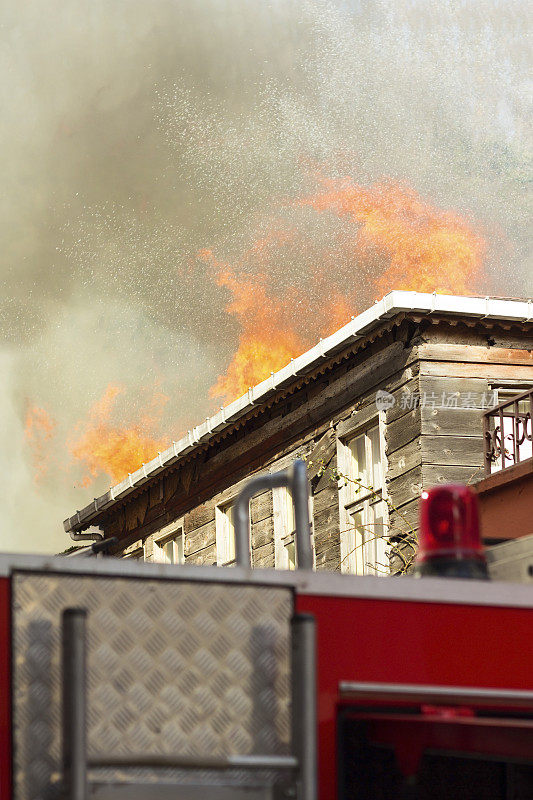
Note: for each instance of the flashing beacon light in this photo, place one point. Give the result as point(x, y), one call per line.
point(449, 538)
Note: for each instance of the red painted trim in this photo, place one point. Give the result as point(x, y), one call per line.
point(393, 641)
point(5, 688)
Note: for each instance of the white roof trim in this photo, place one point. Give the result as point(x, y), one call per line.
point(389, 306)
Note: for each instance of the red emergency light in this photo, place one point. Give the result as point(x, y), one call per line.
point(449, 538)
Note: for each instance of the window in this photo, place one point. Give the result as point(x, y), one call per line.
point(284, 527)
point(169, 547)
point(363, 510)
point(225, 534)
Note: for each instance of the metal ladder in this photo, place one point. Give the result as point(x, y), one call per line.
point(301, 764)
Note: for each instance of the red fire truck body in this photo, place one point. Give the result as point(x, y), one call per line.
point(411, 674)
point(425, 662)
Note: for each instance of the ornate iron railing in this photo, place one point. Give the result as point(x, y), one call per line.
point(508, 433)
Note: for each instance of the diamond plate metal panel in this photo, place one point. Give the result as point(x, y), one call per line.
point(177, 668)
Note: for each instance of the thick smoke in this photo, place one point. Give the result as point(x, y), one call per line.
point(134, 135)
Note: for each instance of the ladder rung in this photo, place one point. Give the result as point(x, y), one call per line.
point(196, 762)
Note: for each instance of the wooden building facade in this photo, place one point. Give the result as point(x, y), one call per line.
point(388, 405)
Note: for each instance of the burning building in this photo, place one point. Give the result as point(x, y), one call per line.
point(389, 404)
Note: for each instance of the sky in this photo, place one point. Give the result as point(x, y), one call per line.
point(138, 137)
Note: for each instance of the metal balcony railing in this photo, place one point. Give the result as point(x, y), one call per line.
point(508, 433)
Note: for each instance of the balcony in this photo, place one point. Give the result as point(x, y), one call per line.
point(508, 433)
point(506, 492)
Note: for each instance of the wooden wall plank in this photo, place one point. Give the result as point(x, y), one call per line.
point(402, 431)
point(262, 532)
point(433, 475)
point(330, 565)
point(469, 391)
point(327, 498)
point(405, 520)
point(492, 336)
point(328, 551)
point(264, 557)
point(453, 451)
point(461, 422)
point(149, 548)
point(468, 353)
point(261, 507)
point(327, 478)
point(199, 516)
point(404, 399)
point(321, 454)
point(200, 538)
point(494, 372)
point(207, 556)
point(404, 459)
point(326, 519)
point(406, 487)
point(324, 477)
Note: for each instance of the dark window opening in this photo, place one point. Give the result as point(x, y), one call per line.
point(373, 766)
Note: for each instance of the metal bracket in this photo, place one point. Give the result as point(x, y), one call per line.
point(74, 743)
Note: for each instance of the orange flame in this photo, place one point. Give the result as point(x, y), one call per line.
point(116, 449)
point(39, 429)
point(425, 249)
point(399, 239)
point(267, 341)
point(393, 239)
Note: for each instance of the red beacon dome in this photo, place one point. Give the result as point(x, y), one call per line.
point(449, 538)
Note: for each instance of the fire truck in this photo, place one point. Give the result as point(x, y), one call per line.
point(122, 681)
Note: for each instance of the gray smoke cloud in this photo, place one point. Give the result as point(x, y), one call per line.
point(133, 135)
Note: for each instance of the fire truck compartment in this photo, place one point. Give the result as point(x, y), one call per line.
point(175, 669)
point(433, 753)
